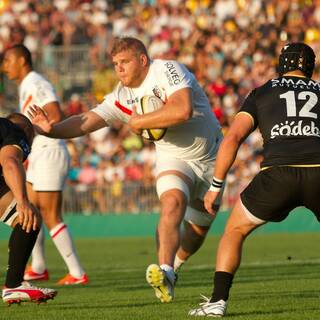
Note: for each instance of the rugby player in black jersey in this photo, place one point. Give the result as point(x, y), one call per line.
point(16, 135)
point(287, 112)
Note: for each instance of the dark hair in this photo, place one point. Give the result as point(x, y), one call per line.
point(24, 123)
point(128, 43)
point(297, 56)
point(22, 51)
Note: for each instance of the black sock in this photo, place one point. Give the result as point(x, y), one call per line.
point(20, 247)
point(222, 284)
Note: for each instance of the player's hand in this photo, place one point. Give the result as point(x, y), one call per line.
point(39, 119)
point(209, 200)
point(27, 216)
point(133, 122)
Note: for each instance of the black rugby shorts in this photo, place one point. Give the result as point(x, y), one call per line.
point(274, 192)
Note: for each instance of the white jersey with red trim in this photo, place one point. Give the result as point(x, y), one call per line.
point(196, 139)
point(35, 89)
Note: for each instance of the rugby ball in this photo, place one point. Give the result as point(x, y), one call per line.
point(149, 104)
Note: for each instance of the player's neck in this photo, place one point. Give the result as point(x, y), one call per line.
point(24, 72)
point(142, 76)
point(295, 73)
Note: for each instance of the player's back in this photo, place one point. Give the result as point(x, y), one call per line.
point(287, 112)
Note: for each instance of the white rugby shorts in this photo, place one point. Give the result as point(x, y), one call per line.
point(200, 173)
point(48, 167)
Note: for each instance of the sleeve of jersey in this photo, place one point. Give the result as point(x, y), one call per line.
point(249, 107)
point(175, 77)
point(43, 93)
point(108, 110)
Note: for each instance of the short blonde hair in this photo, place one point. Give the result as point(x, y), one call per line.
point(128, 43)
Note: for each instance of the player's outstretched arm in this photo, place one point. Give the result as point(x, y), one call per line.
point(72, 127)
point(239, 130)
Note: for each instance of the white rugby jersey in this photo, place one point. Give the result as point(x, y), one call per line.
point(35, 89)
point(195, 139)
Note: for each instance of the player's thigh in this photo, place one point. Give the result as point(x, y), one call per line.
point(203, 177)
point(32, 195)
point(240, 221)
point(310, 189)
point(197, 216)
point(196, 213)
point(272, 194)
point(8, 212)
point(173, 174)
point(48, 168)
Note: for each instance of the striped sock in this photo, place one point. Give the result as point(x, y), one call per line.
point(62, 240)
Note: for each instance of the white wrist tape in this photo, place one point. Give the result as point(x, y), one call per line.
point(216, 185)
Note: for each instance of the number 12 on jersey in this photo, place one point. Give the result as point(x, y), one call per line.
point(311, 101)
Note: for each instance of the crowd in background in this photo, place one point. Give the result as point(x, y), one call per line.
point(230, 45)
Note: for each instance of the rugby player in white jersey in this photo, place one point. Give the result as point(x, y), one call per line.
point(185, 155)
point(47, 168)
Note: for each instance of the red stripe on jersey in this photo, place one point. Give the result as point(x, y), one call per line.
point(26, 103)
point(58, 231)
point(123, 108)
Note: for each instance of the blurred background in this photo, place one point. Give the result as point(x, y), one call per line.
point(230, 45)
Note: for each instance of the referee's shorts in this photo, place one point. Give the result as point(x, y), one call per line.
point(275, 191)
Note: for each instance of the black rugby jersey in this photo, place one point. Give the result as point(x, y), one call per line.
point(11, 134)
point(287, 112)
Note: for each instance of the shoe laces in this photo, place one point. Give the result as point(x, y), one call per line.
point(28, 285)
point(205, 301)
point(31, 286)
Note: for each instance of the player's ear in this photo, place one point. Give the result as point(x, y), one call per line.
point(144, 60)
point(21, 61)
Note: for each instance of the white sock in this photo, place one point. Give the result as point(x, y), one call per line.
point(178, 263)
point(38, 263)
point(62, 239)
point(166, 267)
point(169, 272)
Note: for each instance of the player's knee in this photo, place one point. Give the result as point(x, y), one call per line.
point(172, 201)
point(238, 230)
point(172, 208)
point(49, 218)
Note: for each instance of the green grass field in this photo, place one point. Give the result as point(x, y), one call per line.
point(279, 279)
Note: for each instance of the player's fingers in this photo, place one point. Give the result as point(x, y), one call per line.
point(24, 221)
point(208, 207)
point(20, 218)
point(27, 224)
point(35, 223)
point(31, 113)
point(30, 221)
point(36, 108)
point(208, 203)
